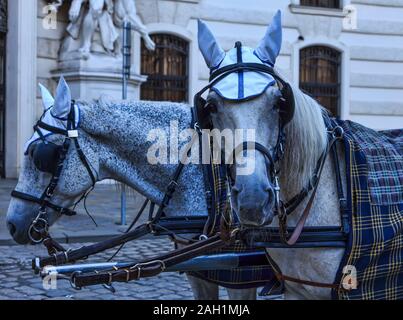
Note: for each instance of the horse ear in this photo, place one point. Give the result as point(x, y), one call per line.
point(269, 47)
point(62, 104)
point(212, 52)
point(47, 99)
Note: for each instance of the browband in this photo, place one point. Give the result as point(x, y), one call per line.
point(245, 66)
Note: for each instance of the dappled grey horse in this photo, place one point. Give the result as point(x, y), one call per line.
point(249, 100)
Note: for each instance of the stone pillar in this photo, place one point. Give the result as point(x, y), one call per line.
point(20, 80)
point(89, 79)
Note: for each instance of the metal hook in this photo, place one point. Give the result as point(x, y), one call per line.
point(109, 287)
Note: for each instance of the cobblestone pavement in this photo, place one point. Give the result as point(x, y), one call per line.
point(17, 280)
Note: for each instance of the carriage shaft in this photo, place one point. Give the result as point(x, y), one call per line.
point(223, 261)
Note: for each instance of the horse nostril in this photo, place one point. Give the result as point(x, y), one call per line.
point(11, 228)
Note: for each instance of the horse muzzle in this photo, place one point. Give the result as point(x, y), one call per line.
point(254, 206)
point(18, 233)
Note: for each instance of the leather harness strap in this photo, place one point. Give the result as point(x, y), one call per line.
point(301, 222)
point(292, 240)
point(155, 266)
point(282, 277)
point(27, 197)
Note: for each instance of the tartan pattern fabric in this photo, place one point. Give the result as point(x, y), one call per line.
point(240, 278)
point(375, 189)
point(384, 159)
point(220, 190)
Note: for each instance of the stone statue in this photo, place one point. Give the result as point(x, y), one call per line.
point(95, 28)
point(125, 10)
point(84, 24)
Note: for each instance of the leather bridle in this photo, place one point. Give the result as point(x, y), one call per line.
point(38, 231)
point(285, 108)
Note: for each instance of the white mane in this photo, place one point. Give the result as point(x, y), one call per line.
point(305, 141)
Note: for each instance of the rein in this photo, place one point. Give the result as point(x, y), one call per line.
point(154, 266)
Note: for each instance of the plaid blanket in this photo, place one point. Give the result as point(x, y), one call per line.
point(244, 277)
point(374, 162)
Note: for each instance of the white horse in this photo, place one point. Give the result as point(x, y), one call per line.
point(306, 139)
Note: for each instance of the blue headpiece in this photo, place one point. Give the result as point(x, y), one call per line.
point(244, 84)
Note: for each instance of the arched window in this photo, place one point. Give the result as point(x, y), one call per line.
point(319, 76)
point(166, 68)
point(321, 3)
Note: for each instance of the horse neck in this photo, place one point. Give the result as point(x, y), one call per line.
point(118, 131)
point(306, 141)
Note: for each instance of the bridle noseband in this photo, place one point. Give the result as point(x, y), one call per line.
point(38, 230)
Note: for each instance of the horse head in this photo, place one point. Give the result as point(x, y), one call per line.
point(246, 93)
point(45, 151)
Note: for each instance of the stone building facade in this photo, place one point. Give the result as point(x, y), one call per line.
point(357, 46)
